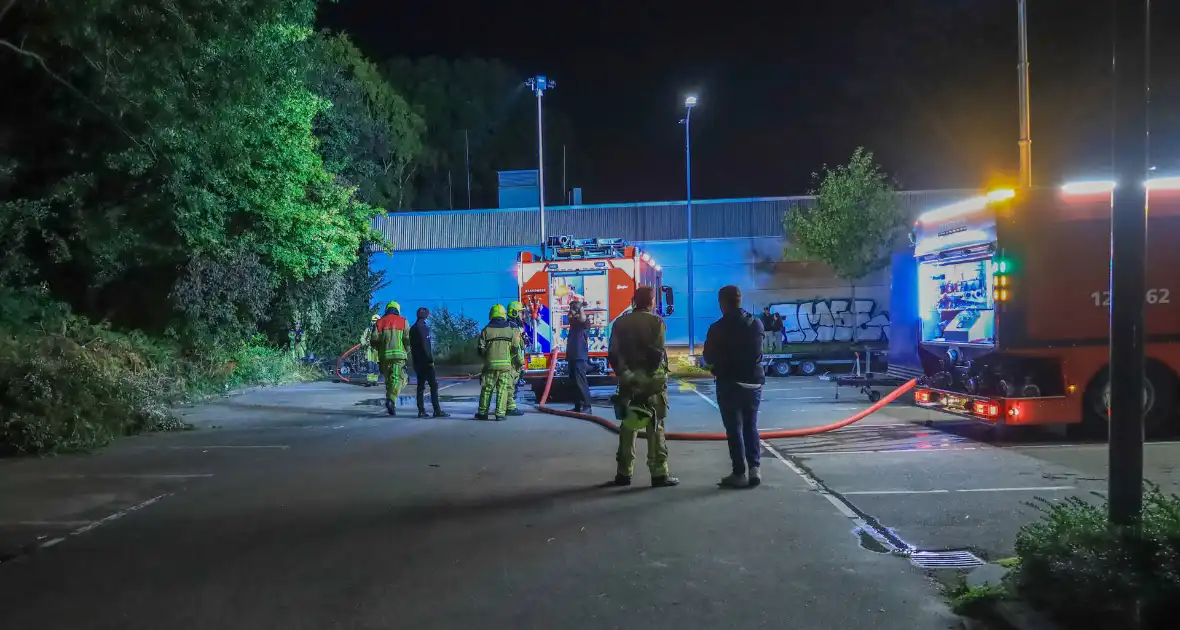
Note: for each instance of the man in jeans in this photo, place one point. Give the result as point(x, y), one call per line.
point(733, 351)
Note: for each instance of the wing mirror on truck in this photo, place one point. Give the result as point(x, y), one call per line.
point(669, 308)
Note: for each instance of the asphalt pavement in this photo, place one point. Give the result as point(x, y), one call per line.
point(307, 507)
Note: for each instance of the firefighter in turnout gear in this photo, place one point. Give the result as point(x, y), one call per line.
point(502, 351)
point(391, 338)
point(638, 356)
point(515, 320)
point(372, 372)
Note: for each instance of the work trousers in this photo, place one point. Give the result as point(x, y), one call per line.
point(739, 414)
point(578, 384)
point(771, 341)
point(426, 376)
point(512, 391)
point(654, 409)
point(497, 383)
point(394, 373)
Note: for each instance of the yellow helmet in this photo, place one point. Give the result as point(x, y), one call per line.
point(393, 306)
point(498, 312)
point(375, 317)
point(514, 308)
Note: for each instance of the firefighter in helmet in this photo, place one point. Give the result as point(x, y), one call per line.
point(515, 320)
point(638, 356)
point(391, 338)
point(502, 351)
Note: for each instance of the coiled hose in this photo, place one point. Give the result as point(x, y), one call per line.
point(613, 427)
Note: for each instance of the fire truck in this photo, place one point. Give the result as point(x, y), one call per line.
point(603, 274)
point(1004, 307)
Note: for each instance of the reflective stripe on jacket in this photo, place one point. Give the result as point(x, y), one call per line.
point(501, 347)
point(391, 337)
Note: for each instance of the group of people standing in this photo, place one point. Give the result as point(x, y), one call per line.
point(637, 354)
point(392, 341)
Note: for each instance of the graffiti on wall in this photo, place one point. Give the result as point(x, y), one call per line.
point(822, 321)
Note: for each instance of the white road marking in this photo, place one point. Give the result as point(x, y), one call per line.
point(1028, 489)
point(889, 451)
point(451, 385)
point(894, 492)
point(102, 521)
point(793, 389)
point(795, 398)
point(707, 399)
point(1083, 446)
point(868, 492)
point(840, 506)
point(230, 446)
point(135, 476)
point(47, 523)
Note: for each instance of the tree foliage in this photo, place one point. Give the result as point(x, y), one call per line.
point(854, 222)
point(475, 110)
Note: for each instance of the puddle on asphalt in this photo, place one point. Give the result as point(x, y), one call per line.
point(866, 541)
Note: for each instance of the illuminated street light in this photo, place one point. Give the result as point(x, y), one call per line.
point(689, 103)
point(538, 85)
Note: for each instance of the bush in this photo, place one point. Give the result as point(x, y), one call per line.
point(455, 337)
point(1076, 567)
point(67, 384)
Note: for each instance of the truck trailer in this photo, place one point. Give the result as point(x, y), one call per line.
point(1002, 308)
point(603, 273)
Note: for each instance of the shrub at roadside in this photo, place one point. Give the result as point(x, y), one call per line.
point(69, 385)
point(455, 337)
point(1076, 568)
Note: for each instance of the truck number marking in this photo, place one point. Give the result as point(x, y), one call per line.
point(1154, 296)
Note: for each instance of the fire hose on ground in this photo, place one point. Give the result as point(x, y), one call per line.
point(353, 381)
point(613, 427)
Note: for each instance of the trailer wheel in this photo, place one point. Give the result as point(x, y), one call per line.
point(874, 395)
point(780, 368)
point(808, 368)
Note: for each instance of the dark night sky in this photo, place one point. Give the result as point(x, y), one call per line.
point(928, 85)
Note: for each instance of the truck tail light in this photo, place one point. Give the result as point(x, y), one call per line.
point(922, 396)
point(986, 408)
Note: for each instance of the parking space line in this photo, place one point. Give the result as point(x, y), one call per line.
point(135, 476)
point(887, 451)
point(896, 492)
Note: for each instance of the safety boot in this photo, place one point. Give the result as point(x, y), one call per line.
point(622, 480)
point(481, 416)
point(499, 418)
point(515, 412)
point(755, 476)
point(389, 407)
point(735, 481)
point(666, 481)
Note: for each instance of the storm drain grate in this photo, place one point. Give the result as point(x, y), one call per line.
point(945, 560)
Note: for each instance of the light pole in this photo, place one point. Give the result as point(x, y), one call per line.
point(538, 85)
point(689, 103)
point(1022, 89)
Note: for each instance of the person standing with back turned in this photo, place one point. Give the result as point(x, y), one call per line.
point(502, 352)
point(733, 350)
point(577, 357)
point(422, 355)
point(391, 338)
point(638, 357)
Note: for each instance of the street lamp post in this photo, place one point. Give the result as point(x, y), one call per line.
point(689, 103)
point(538, 85)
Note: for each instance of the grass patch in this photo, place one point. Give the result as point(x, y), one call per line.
point(683, 366)
point(975, 601)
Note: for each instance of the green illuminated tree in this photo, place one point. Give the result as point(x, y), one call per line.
point(853, 224)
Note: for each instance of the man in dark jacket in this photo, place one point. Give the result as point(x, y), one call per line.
point(422, 354)
point(577, 356)
point(733, 350)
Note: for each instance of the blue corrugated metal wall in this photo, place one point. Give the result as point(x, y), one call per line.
point(466, 259)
